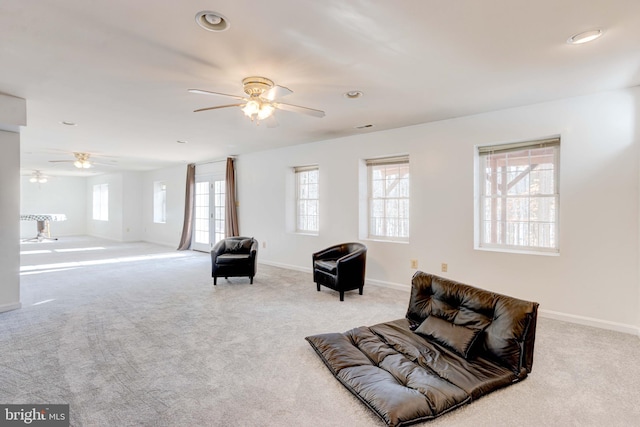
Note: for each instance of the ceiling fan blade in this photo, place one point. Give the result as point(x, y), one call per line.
point(215, 108)
point(61, 161)
point(276, 92)
point(206, 92)
point(298, 109)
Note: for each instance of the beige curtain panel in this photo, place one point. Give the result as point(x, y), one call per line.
point(231, 213)
point(187, 227)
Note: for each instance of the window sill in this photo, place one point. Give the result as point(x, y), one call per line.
point(306, 233)
point(518, 251)
point(370, 239)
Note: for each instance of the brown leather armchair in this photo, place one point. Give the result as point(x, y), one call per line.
point(234, 257)
point(340, 267)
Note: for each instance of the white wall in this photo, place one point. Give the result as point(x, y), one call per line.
point(111, 229)
point(594, 279)
point(168, 233)
point(125, 207)
point(9, 220)
point(132, 202)
point(59, 195)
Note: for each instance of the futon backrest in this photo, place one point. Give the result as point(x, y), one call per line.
point(509, 323)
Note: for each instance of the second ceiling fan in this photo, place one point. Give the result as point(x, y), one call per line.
point(260, 102)
point(82, 161)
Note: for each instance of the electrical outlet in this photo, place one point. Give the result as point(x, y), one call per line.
point(264, 244)
point(414, 263)
point(444, 267)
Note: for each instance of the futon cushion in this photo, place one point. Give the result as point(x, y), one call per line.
point(402, 376)
point(457, 338)
point(330, 266)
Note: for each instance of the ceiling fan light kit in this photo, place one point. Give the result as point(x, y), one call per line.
point(257, 106)
point(82, 164)
point(82, 161)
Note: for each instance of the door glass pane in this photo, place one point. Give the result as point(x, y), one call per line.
point(219, 210)
point(201, 223)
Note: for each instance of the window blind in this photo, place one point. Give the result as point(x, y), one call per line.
point(305, 168)
point(516, 146)
point(381, 161)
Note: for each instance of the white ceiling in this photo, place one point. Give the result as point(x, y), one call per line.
point(120, 69)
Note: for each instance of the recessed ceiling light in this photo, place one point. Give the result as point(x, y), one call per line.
point(353, 94)
point(212, 21)
point(181, 141)
point(68, 123)
point(585, 36)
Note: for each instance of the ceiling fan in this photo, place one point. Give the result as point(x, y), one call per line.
point(38, 177)
point(260, 102)
point(81, 161)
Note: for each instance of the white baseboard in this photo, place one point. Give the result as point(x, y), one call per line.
point(380, 283)
point(590, 321)
point(287, 266)
point(9, 307)
point(391, 285)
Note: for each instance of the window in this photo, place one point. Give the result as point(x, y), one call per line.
point(101, 202)
point(388, 198)
point(159, 202)
point(307, 199)
point(519, 196)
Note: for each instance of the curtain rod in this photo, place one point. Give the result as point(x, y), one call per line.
point(215, 161)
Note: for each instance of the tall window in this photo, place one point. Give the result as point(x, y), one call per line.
point(519, 196)
point(159, 202)
point(307, 199)
point(388, 199)
point(101, 202)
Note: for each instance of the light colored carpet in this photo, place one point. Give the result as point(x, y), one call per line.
point(136, 335)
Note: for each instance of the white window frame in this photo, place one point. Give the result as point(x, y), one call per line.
point(518, 197)
point(159, 202)
point(307, 199)
point(388, 198)
point(101, 202)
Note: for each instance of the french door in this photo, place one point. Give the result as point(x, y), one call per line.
point(209, 212)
